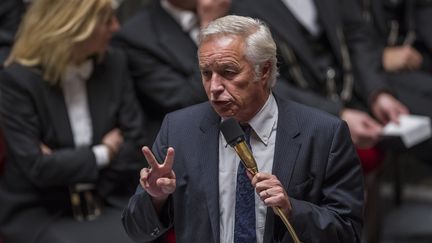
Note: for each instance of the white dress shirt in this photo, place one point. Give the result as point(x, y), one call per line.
point(188, 20)
point(262, 140)
point(74, 85)
point(305, 12)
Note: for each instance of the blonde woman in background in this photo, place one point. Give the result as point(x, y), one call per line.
point(72, 125)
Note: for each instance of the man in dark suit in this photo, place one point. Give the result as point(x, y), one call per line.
point(160, 42)
point(307, 163)
point(326, 55)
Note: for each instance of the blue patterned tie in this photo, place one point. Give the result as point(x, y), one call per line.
point(244, 224)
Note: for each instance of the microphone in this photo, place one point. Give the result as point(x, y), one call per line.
point(235, 137)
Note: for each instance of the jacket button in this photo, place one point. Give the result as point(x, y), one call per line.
point(155, 232)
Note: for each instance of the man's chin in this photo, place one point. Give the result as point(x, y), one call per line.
point(224, 112)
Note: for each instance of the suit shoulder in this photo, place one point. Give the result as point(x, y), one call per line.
point(320, 114)
point(17, 75)
point(313, 124)
point(136, 31)
point(192, 112)
point(310, 115)
point(191, 116)
point(139, 20)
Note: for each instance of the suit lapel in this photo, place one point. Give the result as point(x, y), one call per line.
point(52, 96)
point(98, 95)
point(285, 155)
point(58, 113)
point(287, 147)
point(208, 156)
point(178, 44)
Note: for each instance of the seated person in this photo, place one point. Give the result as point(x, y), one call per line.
point(72, 126)
point(401, 30)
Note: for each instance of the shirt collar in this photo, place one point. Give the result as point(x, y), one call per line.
point(265, 121)
point(81, 72)
point(185, 18)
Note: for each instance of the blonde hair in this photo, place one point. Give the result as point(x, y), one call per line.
point(51, 31)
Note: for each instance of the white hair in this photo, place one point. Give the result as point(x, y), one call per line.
point(260, 46)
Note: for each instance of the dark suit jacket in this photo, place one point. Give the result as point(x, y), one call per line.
point(34, 112)
point(314, 160)
point(163, 62)
point(10, 17)
point(334, 16)
point(423, 17)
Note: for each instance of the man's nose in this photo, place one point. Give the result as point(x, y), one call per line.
point(216, 84)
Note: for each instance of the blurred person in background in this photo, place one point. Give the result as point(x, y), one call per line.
point(72, 125)
point(401, 29)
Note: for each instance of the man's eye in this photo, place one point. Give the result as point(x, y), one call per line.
point(229, 73)
point(206, 73)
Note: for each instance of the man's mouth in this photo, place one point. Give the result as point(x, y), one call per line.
point(221, 102)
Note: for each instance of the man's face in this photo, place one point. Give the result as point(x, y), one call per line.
point(228, 78)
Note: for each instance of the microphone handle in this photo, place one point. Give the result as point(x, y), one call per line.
point(243, 151)
point(289, 227)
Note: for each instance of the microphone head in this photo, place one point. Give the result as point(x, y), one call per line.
point(232, 131)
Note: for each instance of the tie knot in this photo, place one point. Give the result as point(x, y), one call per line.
point(245, 127)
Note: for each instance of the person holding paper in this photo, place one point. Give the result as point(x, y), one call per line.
point(400, 29)
point(306, 160)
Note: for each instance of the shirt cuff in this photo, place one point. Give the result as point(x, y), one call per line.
point(101, 153)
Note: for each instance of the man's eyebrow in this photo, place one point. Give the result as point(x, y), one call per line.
point(203, 66)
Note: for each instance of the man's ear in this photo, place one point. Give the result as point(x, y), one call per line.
point(266, 70)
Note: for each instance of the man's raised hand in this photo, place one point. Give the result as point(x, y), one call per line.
point(159, 179)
